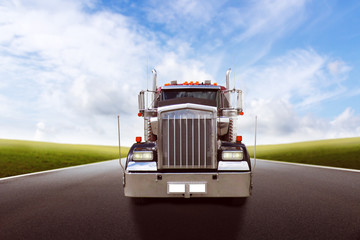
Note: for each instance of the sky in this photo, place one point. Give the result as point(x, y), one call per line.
point(68, 68)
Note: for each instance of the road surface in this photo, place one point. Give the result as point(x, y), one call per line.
point(288, 202)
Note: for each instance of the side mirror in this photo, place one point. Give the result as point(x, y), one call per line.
point(141, 100)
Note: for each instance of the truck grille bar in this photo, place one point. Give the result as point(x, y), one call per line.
point(188, 139)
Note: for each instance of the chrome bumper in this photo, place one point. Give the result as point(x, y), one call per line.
point(168, 185)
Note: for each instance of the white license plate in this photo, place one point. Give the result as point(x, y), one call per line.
point(183, 187)
point(176, 187)
point(197, 187)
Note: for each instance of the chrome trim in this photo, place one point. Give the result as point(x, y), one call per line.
point(205, 156)
point(154, 87)
point(141, 166)
point(223, 125)
point(154, 125)
point(228, 78)
point(180, 142)
point(154, 79)
point(174, 141)
point(199, 141)
point(141, 101)
point(187, 160)
point(193, 144)
point(233, 166)
point(168, 140)
point(230, 113)
point(140, 184)
point(187, 106)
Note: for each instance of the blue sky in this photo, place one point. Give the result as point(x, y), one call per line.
point(67, 68)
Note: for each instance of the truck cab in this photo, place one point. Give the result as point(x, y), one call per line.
point(190, 146)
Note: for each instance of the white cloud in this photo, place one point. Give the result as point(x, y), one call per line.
point(67, 72)
point(279, 122)
point(347, 124)
point(245, 30)
point(40, 131)
point(173, 68)
point(182, 14)
point(301, 77)
point(272, 18)
point(75, 71)
point(283, 87)
point(338, 67)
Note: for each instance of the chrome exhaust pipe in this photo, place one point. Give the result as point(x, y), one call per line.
point(154, 88)
point(228, 79)
point(154, 79)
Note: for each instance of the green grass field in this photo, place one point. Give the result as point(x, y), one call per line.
point(344, 153)
point(19, 157)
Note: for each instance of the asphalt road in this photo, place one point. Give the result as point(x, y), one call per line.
point(288, 202)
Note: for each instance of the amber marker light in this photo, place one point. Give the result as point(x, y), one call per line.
point(238, 138)
point(138, 139)
point(139, 114)
point(241, 113)
point(215, 84)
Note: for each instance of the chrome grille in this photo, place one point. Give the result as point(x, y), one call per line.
point(188, 139)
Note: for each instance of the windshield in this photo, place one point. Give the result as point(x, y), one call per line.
point(203, 94)
point(198, 96)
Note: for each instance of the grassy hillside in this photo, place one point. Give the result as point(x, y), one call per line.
point(19, 157)
point(343, 153)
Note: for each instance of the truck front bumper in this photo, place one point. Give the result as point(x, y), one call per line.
point(167, 185)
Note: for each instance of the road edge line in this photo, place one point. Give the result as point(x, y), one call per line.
point(53, 170)
point(314, 166)
point(84, 165)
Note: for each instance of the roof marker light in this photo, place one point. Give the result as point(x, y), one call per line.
point(215, 84)
point(197, 83)
point(138, 139)
point(238, 138)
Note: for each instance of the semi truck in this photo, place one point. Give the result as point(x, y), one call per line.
point(190, 148)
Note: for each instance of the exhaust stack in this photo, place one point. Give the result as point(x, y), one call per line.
point(228, 79)
point(154, 86)
point(154, 79)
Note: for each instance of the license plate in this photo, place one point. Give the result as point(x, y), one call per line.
point(186, 187)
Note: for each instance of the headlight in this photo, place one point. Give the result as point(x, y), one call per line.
point(232, 155)
point(143, 156)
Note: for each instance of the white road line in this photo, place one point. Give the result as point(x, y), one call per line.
point(55, 170)
point(310, 165)
point(85, 165)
